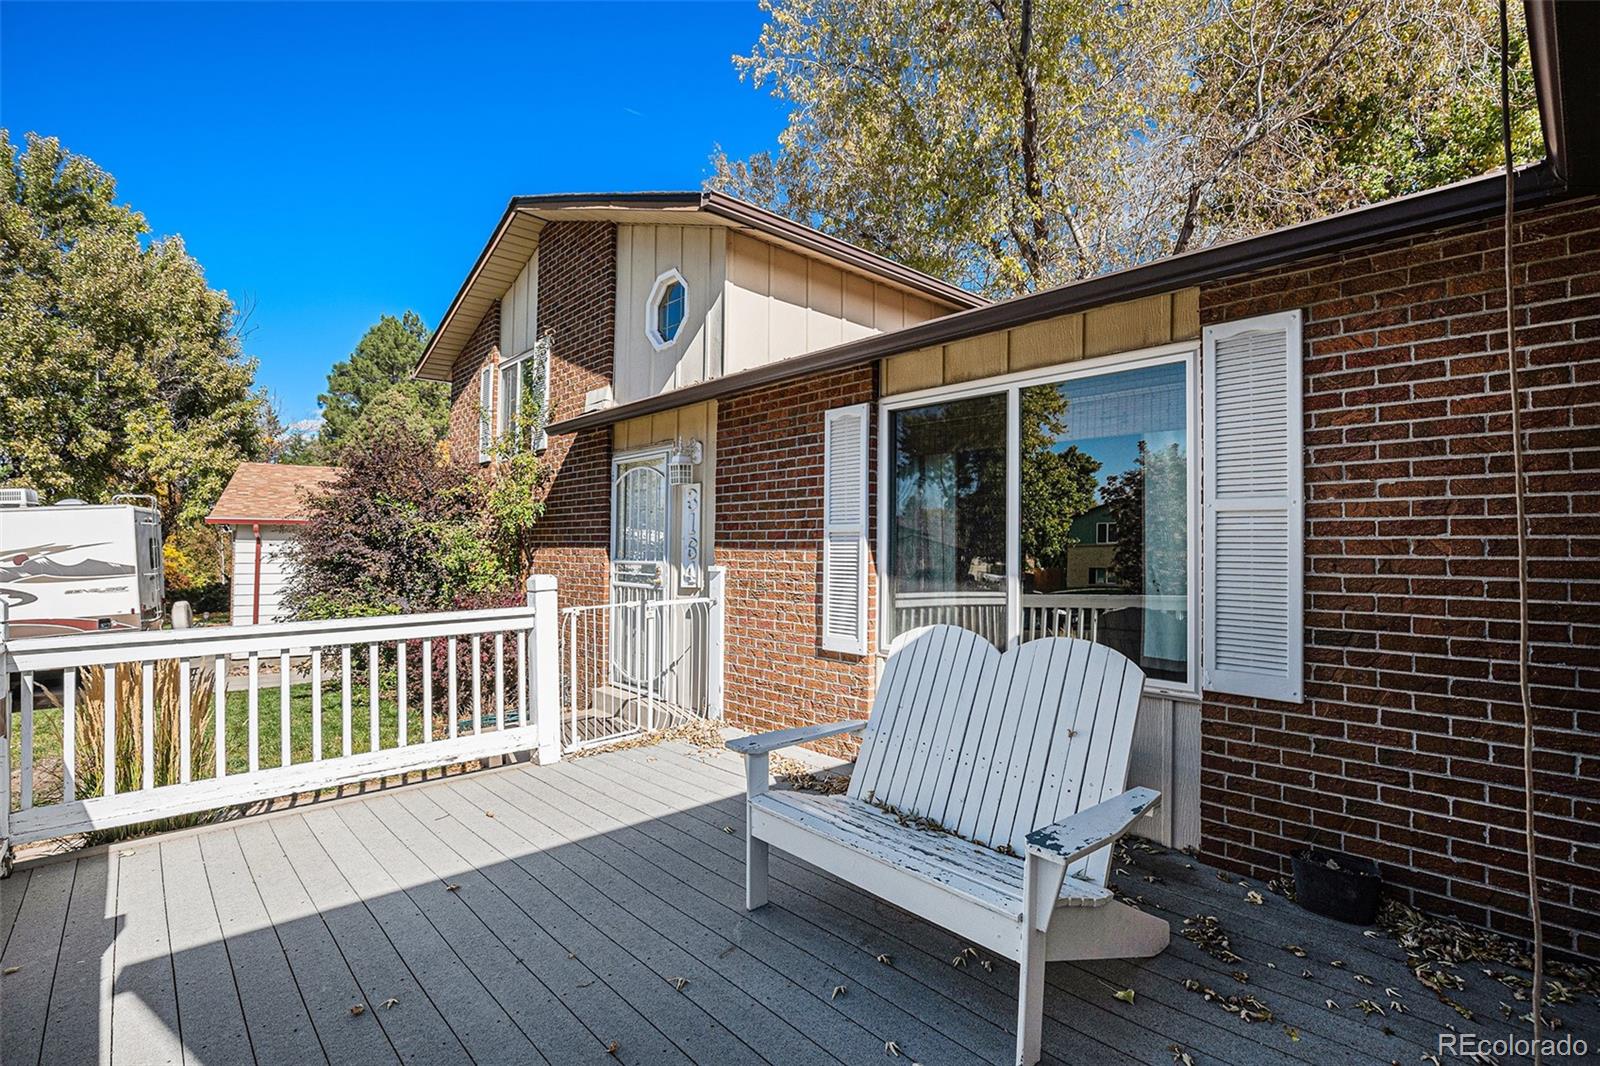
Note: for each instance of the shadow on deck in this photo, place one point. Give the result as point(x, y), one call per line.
point(530, 914)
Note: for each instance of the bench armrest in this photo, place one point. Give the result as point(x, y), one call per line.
point(1077, 835)
point(763, 743)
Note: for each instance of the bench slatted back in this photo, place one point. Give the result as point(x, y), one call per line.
point(993, 746)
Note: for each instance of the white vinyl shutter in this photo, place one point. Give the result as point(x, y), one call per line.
point(844, 530)
point(485, 412)
point(1253, 532)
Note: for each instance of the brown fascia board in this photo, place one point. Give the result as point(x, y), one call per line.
point(1433, 209)
point(803, 236)
point(728, 208)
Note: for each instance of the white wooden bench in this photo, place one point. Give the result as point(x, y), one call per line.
point(986, 796)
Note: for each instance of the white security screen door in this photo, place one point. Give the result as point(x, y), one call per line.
point(639, 571)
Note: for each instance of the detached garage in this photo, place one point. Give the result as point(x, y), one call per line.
point(262, 504)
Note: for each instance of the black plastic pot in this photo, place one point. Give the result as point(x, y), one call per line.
point(1346, 890)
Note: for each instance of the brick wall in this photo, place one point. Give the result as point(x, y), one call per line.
point(577, 293)
point(577, 305)
point(481, 347)
point(769, 536)
point(1407, 748)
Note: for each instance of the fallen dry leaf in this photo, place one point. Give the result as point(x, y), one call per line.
point(886, 960)
point(1255, 897)
point(613, 1047)
point(838, 990)
point(390, 1003)
point(452, 888)
point(891, 1049)
point(358, 1010)
point(680, 983)
point(1125, 995)
point(9, 970)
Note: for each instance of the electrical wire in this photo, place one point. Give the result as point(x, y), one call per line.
point(1536, 994)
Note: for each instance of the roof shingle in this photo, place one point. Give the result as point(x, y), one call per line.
point(269, 492)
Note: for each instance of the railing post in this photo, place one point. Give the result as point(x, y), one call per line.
point(5, 740)
point(717, 590)
point(545, 657)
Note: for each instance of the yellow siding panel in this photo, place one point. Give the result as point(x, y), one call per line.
point(971, 358)
point(921, 369)
point(1126, 326)
point(1186, 315)
point(1047, 343)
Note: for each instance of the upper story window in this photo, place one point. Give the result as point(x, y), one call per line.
point(664, 311)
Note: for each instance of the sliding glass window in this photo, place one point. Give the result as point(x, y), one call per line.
point(947, 515)
point(1101, 538)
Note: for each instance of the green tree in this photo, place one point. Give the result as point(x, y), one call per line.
point(382, 361)
point(1017, 144)
point(120, 369)
point(1058, 484)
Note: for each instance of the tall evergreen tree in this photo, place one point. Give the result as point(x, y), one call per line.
point(382, 360)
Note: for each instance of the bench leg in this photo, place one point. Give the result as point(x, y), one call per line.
point(755, 872)
point(1030, 998)
point(1041, 885)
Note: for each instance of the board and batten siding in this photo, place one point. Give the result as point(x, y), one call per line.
point(1121, 327)
point(274, 573)
point(519, 311)
point(644, 253)
point(782, 304)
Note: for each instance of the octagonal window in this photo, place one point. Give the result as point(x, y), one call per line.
point(666, 309)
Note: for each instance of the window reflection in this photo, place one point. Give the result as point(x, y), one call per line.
point(1104, 531)
point(947, 546)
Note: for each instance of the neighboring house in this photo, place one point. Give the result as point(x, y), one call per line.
point(1316, 423)
point(261, 505)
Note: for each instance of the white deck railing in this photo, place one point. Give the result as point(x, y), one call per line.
point(638, 664)
point(437, 688)
point(1055, 614)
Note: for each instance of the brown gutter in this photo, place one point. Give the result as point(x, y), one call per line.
point(255, 582)
point(749, 215)
point(723, 206)
point(1433, 209)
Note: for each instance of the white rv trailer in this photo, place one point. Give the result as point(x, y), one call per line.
point(79, 567)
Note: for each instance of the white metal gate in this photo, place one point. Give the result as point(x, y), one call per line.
point(639, 664)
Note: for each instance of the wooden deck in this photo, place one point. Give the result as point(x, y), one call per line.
point(531, 914)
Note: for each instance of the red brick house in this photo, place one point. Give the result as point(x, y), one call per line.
point(1300, 441)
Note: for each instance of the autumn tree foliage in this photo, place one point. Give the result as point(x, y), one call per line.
point(121, 370)
point(1013, 145)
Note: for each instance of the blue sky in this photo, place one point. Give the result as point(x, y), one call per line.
point(327, 163)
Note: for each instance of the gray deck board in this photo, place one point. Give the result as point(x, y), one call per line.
point(11, 893)
point(275, 1012)
point(144, 1006)
point(210, 1016)
point(1090, 1013)
point(79, 1026)
point(556, 1035)
point(581, 890)
point(538, 927)
point(646, 963)
point(33, 948)
point(635, 850)
point(418, 1034)
point(840, 948)
point(327, 986)
point(707, 931)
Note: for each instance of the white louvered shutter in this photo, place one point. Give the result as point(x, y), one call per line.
point(1254, 561)
point(485, 412)
point(844, 530)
